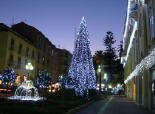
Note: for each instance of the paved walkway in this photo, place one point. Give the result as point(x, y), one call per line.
point(113, 105)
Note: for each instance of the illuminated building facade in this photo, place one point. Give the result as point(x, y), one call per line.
point(138, 52)
point(23, 43)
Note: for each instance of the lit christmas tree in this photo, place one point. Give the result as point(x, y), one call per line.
point(44, 79)
point(81, 75)
point(8, 76)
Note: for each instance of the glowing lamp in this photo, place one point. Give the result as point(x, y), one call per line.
point(105, 75)
point(99, 68)
point(29, 66)
point(110, 86)
point(118, 85)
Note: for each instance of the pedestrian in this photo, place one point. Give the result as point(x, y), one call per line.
point(119, 92)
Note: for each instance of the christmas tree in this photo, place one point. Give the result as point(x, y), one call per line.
point(81, 75)
point(8, 76)
point(44, 79)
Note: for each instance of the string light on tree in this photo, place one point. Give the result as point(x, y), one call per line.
point(44, 79)
point(8, 76)
point(81, 75)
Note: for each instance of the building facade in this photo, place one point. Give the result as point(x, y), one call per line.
point(63, 58)
point(23, 43)
point(138, 57)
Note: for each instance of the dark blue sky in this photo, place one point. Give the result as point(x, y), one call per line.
point(57, 19)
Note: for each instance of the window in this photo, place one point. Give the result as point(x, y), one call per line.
point(19, 62)
point(151, 19)
point(43, 60)
point(52, 52)
point(44, 45)
point(33, 54)
point(27, 52)
point(10, 60)
point(49, 47)
point(26, 62)
point(48, 62)
point(20, 48)
point(12, 44)
point(66, 55)
point(38, 57)
point(40, 40)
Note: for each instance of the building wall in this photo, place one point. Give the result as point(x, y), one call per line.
point(139, 88)
point(3, 49)
point(41, 52)
point(63, 60)
point(7, 36)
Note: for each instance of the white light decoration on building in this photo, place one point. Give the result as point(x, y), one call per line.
point(146, 63)
point(124, 59)
point(127, 18)
point(143, 2)
point(131, 40)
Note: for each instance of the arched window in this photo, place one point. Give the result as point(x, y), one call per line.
point(20, 48)
point(38, 57)
point(10, 60)
point(27, 52)
point(33, 54)
point(151, 20)
point(12, 44)
point(19, 62)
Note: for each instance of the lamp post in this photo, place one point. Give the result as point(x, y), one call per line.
point(99, 72)
point(29, 67)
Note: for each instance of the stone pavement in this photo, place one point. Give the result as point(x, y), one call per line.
point(113, 105)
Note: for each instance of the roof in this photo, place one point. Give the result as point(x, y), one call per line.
point(3, 27)
point(30, 32)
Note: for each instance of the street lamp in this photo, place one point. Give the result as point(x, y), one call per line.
point(99, 71)
point(118, 85)
point(29, 67)
point(110, 86)
point(105, 76)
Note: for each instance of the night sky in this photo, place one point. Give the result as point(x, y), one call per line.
point(57, 19)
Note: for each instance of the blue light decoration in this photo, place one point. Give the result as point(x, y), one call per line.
point(8, 76)
point(61, 79)
point(106, 80)
point(44, 79)
point(81, 75)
